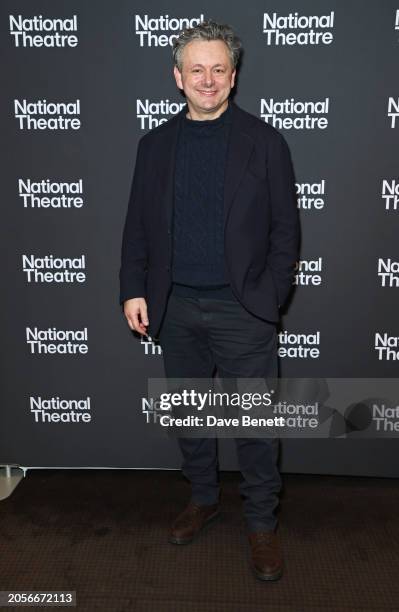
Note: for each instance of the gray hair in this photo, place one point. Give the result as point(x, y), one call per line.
point(207, 30)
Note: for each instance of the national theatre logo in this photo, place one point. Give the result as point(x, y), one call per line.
point(393, 111)
point(311, 196)
point(299, 346)
point(386, 346)
point(296, 29)
point(151, 347)
point(45, 193)
point(50, 269)
point(308, 272)
point(390, 194)
point(59, 410)
point(39, 31)
point(295, 114)
point(151, 114)
point(43, 115)
point(53, 341)
point(161, 31)
point(388, 271)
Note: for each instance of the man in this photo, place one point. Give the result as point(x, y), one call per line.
point(208, 256)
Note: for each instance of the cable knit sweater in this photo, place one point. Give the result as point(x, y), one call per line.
point(198, 220)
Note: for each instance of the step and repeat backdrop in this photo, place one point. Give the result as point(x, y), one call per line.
point(82, 82)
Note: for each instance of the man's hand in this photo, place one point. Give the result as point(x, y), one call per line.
point(135, 311)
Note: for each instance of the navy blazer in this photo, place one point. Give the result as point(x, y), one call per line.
point(261, 221)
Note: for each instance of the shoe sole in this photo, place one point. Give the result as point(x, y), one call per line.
point(276, 576)
point(207, 523)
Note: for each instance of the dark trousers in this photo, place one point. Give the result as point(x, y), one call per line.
point(198, 335)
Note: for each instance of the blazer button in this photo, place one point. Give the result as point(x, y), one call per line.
point(168, 268)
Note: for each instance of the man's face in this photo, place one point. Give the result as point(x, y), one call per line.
point(207, 75)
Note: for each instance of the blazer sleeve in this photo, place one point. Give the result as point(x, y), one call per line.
point(133, 270)
point(283, 250)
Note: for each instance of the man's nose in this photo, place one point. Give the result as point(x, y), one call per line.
point(208, 78)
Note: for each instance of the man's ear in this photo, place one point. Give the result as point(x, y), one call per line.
point(177, 75)
point(233, 77)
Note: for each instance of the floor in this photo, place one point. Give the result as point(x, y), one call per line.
point(103, 534)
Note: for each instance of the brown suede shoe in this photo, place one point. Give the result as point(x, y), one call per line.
point(190, 522)
point(267, 561)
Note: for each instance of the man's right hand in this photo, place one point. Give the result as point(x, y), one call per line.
point(135, 311)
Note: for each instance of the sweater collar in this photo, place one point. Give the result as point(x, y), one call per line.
point(199, 123)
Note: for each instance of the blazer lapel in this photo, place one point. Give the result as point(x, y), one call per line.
point(169, 155)
point(238, 153)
